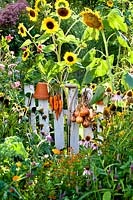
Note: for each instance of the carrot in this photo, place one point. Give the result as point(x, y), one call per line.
point(56, 105)
point(60, 106)
point(51, 102)
point(57, 114)
point(59, 97)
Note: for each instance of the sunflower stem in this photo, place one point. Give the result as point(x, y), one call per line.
point(107, 59)
point(71, 27)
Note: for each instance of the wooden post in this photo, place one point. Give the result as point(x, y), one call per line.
point(73, 127)
point(30, 102)
point(88, 131)
point(59, 130)
point(44, 118)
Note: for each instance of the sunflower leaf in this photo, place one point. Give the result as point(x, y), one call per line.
point(116, 20)
point(49, 48)
point(26, 43)
point(129, 79)
point(123, 41)
point(107, 195)
point(44, 37)
point(98, 95)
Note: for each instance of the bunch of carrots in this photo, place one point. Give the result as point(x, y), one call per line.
point(56, 104)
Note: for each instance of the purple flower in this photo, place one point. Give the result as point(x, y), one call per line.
point(15, 84)
point(109, 171)
point(87, 172)
point(94, 146)
point(118, 186)
point(131, 168)
point(2, 67)
point(29, 175)
point(12, 65)
point(10, 14)
point(115, 177)
point(49, 138)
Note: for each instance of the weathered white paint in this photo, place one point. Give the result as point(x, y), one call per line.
point(74, 127)
point(43, 104)
point(30, 102)
point(88, 132)
point(59, 131)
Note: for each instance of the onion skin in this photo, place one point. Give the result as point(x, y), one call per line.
point(79, 119)
point(86, 123)
point(73, 118)
point(84, 111)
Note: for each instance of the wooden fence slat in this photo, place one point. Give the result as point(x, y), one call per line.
point(30, 102)
point(44, 118)
point(88, 132)
point(74, 127)
point(59, 131)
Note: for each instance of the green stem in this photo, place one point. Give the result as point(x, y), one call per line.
point(71, 26)
point(107, 59)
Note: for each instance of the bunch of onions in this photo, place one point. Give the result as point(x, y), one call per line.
point(82, 115)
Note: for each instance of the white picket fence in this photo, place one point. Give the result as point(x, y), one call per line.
point(73, 127)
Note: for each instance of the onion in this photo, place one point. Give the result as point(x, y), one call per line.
point(73, 118)
point(86, 123)
point(79, 119)
point(84, 111)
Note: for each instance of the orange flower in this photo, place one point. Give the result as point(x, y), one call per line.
point(56, 151)
point(16, 178)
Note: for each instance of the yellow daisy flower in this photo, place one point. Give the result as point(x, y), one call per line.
point(56, 151)
point(109, 89)
point(25, 54)
point(39, 4)
point(63, 13)
point(18, 164)
point(50, 25)
point(110, 3)
point(22, 30)
point(33, 14)
point(16, 178)
point(61, 3)
point(70, 58)
point(92, 19)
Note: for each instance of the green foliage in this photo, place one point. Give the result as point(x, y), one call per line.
point(12, 147)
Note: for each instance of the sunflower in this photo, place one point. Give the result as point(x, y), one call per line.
point(63, 13)
point(92, 19)
point(50, 25)
point(22, 30)
point(110, 3)
point(39, 4)
point(70, 58)
point(32, 14)
point(25, 54)
point(61, 3)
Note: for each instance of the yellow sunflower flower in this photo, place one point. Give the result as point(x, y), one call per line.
point(61, 3)
point(50, 25)
point(70, 58)
point(39, 4)
point(22, 30)
point(33, 14)
point(92, 19)
point(110, 3)
point(25, 54)
point(63, 13)
point(16, 178)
